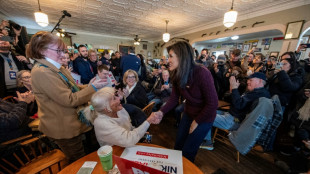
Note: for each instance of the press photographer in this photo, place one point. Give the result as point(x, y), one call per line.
point(9, 66)
point(16, 35)
point(218, 73)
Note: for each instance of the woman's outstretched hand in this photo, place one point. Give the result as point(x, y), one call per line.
point(156, 117)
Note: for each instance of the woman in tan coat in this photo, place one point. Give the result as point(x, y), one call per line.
point(57, 94)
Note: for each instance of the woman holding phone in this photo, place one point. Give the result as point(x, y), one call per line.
point(287, 78)
point(194, 83)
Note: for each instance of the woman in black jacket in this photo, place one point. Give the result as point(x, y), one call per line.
point(287, 78)
point(134, 93)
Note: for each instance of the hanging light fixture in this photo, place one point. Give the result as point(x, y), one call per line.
point(41, 18)
point(230, 17)
point(166, 36)
point(136, 43)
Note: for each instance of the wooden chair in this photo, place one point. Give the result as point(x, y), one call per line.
point(221, 135)
point(9, 99)
point(29, 156)
point(148, 109)
point(261, 102)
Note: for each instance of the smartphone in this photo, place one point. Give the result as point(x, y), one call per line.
point(279, 65)
point(70, 64)
point(7, 38)
point(306, 45)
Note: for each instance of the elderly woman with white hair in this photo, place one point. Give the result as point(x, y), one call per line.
point(112, 122)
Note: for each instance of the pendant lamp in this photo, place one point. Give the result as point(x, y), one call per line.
point(230, 17)
point(166, 36)
point(41, 18)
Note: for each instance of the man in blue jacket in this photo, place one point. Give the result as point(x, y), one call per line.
point(130, 61)
point(240, 105)
point(82, 66)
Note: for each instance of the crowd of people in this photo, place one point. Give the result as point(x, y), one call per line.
point(112, 90)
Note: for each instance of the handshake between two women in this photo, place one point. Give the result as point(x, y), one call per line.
point(155, 117)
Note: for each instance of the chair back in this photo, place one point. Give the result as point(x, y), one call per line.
point(9, 99)
point(245, 137)
point(266, 140)
point(29, 155)
point(148, 109)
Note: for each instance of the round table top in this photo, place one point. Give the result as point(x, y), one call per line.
point(188, 167)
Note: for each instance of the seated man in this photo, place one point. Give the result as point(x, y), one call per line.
point(240, 105)
point(162, 90)
point(13, 118)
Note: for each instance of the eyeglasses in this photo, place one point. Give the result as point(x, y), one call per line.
point(116, 93)
point(131, 77)
point(26, 77)
point(64, 51)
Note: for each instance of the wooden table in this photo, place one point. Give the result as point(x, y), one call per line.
point(188, 167)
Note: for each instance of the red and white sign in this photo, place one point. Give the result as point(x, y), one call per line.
point(130, 167)
point(165, 160)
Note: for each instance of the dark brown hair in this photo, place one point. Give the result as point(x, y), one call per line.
point(236, 52)
point(40, 41)
point(185, 54)
point(104, 53)
point(102, 67)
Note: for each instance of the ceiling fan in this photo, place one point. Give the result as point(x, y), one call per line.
point(63, 33)
point(137, 40)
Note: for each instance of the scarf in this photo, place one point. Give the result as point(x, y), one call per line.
point(74, 88)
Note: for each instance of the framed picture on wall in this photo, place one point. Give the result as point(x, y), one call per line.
point(258, 50)
point(293, 29)
point(254, 44)
point(123, 49)
point(266, 47)
point(275, 53)
point(239, 46)
point(67, 40)
point(246, 47)
point(145, 46)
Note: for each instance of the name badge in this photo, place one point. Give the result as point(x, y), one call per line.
point(12, 75)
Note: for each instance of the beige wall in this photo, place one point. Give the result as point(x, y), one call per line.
point(106, 42)
point(275, 46)
point(276, 20)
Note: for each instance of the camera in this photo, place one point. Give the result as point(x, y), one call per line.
point(220, 63)
point(233, 74)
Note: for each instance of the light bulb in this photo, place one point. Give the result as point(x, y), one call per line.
point(230, 18)
point(41, 18)
point(235, 37)
point(166, 37)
